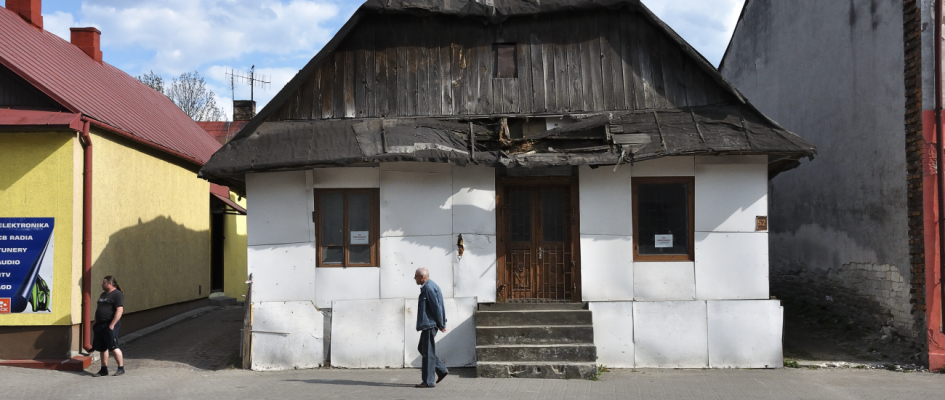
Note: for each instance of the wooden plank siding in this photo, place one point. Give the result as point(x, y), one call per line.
point(403, 65)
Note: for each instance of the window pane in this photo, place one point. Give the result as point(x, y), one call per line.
point(663, 219)
point(333, 255)
point(359, 254)
point(520, 215)
point(553, 214)
point(333, 219)
point(359, 212)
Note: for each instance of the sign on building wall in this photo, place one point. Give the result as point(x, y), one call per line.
point(26, 265)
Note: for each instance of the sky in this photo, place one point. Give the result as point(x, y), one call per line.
point(212, 37)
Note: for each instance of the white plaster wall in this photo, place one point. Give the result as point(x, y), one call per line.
point(473, 200)
point(474, 275)
point(416, 203)
point(345, 178)
point(730, 196)
point(287, 335)
point(283, 272)
point(745, 334)
point(731, 266)
point(281, 210)
point(456, 347)
point(663, 281)
point(332, 284)
point(666, 166)
point(606, 268)
point(401, 256)
point(605, 201)
point(670, 334)
point(613, 333)
point(367, 333)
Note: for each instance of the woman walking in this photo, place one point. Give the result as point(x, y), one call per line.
point(107, 321)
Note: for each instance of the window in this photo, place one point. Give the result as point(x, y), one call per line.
point(663, 223)
point(505, 63)
point(347, 225)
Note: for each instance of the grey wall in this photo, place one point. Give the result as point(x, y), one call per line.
point(832, 72)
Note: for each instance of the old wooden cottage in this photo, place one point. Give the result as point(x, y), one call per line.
point(584, 186)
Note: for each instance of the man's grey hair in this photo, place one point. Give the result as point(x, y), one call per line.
point(423, 272)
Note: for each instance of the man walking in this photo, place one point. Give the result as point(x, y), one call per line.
point(430, 318)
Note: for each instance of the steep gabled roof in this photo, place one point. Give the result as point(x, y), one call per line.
point(119, 102)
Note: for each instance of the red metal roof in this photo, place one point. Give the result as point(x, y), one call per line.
point(222, 131)
point(100, 91)
point(34, 117)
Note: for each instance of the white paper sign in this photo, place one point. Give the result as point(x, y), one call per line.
point(664, 241)
point(359, 237)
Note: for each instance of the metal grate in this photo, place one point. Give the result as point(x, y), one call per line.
point(539, 263)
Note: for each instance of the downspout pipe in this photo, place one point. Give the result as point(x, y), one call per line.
point(86, 235)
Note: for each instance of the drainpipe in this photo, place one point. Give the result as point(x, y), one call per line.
point(86, 141)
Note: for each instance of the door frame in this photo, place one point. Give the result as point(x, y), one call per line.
point(502, 183)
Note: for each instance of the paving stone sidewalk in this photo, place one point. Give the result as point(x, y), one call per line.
point(181, 361)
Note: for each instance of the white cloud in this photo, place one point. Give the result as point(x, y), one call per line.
point(706, 24)
point(59, 23)
point(185, 34)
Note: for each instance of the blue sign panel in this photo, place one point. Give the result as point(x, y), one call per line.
point(26, 264)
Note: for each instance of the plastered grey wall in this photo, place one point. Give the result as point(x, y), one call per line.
point(832, 72)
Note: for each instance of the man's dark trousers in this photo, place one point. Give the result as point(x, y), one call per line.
point(431, 363)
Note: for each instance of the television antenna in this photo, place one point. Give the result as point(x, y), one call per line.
point(250, 78)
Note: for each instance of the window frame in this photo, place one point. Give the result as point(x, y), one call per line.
point(690, 181)
point(374, 227)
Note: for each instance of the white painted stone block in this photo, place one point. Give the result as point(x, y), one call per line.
point(474, 275)
point(355, 283)
point(664, 281)
point(287, 335)
point(605, 201)
point(473, 200)
point(344, 178)
point(745, 334)
point(401, 256)
point(606, 268)
point(367, 333)
point(280, 208)
point(729, 197)
point(613, 333)
point(670, 334)
point(456, 347)
point(731, 266)
point(284, 272)
point(666, 166)
point(416, 204)
point(412, 166)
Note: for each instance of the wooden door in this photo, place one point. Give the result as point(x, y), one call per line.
point(537, 255)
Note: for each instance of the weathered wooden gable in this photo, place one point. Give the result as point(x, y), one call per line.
point(395, 65)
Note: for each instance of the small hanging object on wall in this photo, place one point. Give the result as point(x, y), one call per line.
point(459, 246)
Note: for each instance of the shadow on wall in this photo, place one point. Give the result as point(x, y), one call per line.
point(157, 263)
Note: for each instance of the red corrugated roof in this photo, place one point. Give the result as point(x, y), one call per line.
point(34, 117)
point(222, 131)
point(100, 91)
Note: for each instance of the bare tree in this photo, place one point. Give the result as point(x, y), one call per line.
point(153, 80)
point(190, 93)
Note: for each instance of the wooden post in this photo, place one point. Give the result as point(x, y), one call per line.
point(248, 326)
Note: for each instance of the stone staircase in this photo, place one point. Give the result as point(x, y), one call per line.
point(535, 340)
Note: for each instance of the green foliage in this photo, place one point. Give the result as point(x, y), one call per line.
point(791, 364)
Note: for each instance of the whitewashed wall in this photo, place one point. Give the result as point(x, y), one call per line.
point(473, 201)
point(606, 233)
point(287, 335)
point(456, 347)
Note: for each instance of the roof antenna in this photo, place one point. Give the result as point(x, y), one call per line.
point(249, 78)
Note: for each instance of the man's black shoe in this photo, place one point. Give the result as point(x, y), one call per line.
point(102, 372)
point(441, 377)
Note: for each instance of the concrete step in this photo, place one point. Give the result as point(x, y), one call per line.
point(531, 306)
point(553, 334)
point(558, 370)
point(533, 318)
point(544, 353)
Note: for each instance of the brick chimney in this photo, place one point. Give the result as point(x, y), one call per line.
point(30, 10)
point(87, 39)
point(244, 110)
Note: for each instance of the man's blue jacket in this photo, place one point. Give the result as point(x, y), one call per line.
point(430, 313)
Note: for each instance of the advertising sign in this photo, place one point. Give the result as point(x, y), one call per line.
point(360, 237)
point(663, 241)
point(26, 265)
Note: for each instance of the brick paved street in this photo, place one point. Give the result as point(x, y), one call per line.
point(170, 364)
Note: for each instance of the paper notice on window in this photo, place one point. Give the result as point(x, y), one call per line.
point(359, 237)
point(664, 241)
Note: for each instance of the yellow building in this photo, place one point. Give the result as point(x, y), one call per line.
point(108, 165)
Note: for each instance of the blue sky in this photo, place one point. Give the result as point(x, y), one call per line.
point(170, 37)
